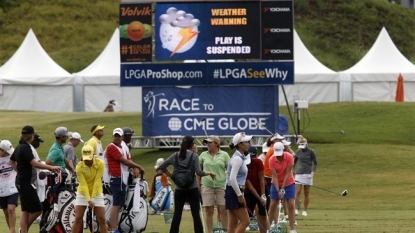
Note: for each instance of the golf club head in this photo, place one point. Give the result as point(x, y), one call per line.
point(342, 132)
point(344, 193)
point(204, 130)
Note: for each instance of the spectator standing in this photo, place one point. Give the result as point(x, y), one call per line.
point(119, 163)
point(184, 156)
point(236, 174)
point(23, 161)
point(304, 173)
point(97, 132)
point(213, 191)
point(69, 149)
point(56, 156)
point(9, 195)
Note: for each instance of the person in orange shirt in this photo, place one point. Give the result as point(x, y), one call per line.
point(267, 172)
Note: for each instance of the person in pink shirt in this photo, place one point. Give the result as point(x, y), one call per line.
point(282, 184)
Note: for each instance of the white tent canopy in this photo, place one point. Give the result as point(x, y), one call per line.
point(374, 77)
point(313, 80)
point(99, 83)
point(32, 81)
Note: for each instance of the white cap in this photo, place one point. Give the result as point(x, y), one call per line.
point(118, 131)
point(76, 135)
point(265, 148)
point(240, 137)
point(276, 136)
point(6, 145)
point(158, 163)
point(278, 149)
point(302, 143)
point(286, 143)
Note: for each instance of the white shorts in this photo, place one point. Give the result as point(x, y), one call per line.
point(304, 179)
point(98, 200)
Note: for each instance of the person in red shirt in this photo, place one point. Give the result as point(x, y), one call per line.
point(119, 162)
point(255, 189)
point(283, 183)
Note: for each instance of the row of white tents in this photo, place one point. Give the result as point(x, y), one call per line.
point(31, 80)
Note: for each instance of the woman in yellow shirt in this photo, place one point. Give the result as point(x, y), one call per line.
point(89, 172)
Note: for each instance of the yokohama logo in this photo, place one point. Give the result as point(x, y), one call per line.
point(276, 30)
point(276, 51)
point(276, 9)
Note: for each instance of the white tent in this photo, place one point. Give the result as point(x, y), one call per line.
point(31, 80)
point(374, 77)
point(313, 81)
point(99, 83)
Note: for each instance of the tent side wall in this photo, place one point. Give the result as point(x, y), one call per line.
point(37, 98)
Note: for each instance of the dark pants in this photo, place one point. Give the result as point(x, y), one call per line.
point(267, 192)
point(180, 197)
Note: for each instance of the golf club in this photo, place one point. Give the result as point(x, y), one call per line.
point(344, 193)
point(263, 128)
point(204, 126)
point(259, 224)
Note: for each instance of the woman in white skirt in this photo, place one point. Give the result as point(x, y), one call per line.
point(90, 193)
point(304, 173)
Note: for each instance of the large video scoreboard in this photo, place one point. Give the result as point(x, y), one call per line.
point(157, 36)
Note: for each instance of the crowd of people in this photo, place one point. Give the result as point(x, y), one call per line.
point(22, 174)
point(244, 185)
point(241, 186)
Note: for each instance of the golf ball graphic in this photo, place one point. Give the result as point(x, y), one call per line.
point(148, 31)
point(178, 30)
point(123, 31)
point(136, 31)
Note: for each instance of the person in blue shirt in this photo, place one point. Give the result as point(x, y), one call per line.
point(236, 174)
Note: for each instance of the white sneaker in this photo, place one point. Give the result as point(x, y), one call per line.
point(296, 212)
point(186, 207)
point(293, 231)
point(286, 217)
point(295, 223)
point(304, 213)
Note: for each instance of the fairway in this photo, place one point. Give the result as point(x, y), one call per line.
point(373, 161)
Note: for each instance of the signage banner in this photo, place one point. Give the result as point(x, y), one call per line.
point(277, 30)
point(136, 32)
point(203, 74)
point(218, 110)
point(208, 30)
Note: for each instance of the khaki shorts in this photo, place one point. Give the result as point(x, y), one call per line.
point(98, 200)
point(209, 194)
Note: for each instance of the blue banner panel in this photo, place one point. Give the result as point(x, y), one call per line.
point(218, 110)
point(207, 30)
point(202, 74)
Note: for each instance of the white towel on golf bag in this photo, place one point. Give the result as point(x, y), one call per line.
point(137, 197)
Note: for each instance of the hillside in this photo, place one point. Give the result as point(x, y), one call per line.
point(337, 32)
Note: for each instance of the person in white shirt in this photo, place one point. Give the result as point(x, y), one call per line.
point(8, 192)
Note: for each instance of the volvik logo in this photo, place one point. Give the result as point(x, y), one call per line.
point(276, 9)
point(136, 11)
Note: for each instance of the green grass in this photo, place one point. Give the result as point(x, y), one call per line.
point(372, 160)
point(337, 32)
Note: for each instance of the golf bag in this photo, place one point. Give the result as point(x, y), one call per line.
point(162, 199)
point(59, 207)
point(133, 216)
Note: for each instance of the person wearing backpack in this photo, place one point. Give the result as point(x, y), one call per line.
point(186, 164)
